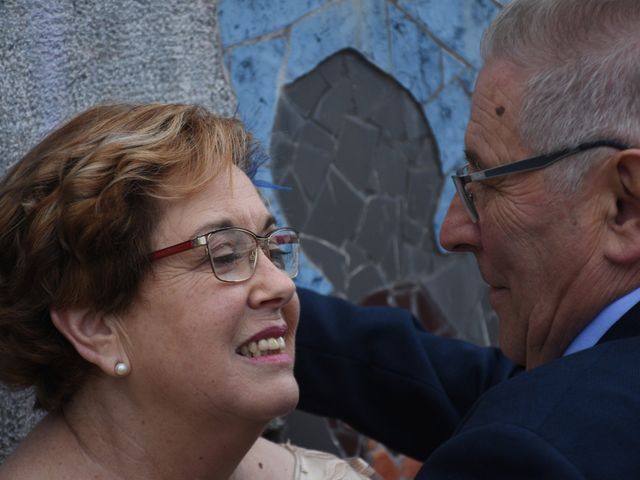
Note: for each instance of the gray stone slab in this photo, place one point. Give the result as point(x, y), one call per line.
point(422, 195)
point(380, 225)
point(334, 69)
point(412, 232)
point(293, 203)
point(310, 165)
point(371, 85)
point(329, 259)
point(357, 257)
point(390, 260)
point(355, 150)
point(306, 92)
point(391, 166)
point(334, 105)
point(288, 119)
point(337, 211)
point(415, 123)
point(454, 288)
point(363, 282)
point(387, 113)
point(315, 135)
point(282, 153)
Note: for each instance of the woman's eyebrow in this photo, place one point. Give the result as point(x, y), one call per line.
point(269, 223)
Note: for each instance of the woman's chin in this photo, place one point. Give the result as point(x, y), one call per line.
point(280, 402)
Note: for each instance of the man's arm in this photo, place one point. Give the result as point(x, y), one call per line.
point(501, 452)
point(377, 369)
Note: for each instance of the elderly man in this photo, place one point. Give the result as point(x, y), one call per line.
point(549, 203)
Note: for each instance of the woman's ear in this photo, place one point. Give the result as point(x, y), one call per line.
point(623, 242)
point(94, 335)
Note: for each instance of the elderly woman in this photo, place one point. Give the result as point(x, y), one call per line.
point(146, 294)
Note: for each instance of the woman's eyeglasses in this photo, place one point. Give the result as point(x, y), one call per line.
point(233, 251)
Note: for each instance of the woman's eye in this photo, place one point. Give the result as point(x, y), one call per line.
point(227, 259)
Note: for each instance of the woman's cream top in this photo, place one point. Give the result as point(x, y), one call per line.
point(315, 465)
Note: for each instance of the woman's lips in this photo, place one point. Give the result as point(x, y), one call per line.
point(268, 342)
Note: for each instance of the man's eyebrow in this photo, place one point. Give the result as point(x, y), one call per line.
point(473, 159)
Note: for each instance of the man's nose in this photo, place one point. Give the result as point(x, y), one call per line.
point(459, 233)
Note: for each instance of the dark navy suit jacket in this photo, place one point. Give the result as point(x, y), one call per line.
point(467, 411)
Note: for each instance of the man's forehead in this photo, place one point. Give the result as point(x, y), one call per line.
point(492, 134)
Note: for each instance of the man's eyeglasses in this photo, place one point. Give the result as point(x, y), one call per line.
point(463, 177)
point(233, 251)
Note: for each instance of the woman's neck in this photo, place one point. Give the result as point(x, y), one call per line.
point(120, 440)
point(265, 461)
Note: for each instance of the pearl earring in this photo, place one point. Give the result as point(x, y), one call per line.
point(121, 369)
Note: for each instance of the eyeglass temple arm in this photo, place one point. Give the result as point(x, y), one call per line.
point(542, 161)
point(180, 247)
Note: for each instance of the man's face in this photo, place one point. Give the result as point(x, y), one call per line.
point(533, 247)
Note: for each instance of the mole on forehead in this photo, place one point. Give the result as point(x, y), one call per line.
point(500, 110)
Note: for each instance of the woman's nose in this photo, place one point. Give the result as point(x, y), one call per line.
point(272, 286)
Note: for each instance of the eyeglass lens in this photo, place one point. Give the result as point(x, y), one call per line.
point(233, 252)
point(466, 197)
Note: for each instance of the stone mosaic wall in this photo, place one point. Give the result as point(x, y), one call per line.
point(428, 48)
point(363, 106)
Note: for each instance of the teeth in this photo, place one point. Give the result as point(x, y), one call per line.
point(263, 347)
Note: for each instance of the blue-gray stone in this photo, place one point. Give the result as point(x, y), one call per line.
point(374, 32)
point(245, 19)
point(448, 114)
point(416, 57)
point(457, 23)
point(254, 70)
point(319, 35)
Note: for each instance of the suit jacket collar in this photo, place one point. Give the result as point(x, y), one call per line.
point(627, 326)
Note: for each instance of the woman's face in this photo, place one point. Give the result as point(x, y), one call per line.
point(186, 331)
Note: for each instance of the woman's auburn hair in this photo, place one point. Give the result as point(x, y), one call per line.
point(77, 214)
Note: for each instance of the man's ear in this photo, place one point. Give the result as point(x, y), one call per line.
point(622, 245)
point(94, 335)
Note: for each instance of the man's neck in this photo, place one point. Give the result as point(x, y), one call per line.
point(594, 330)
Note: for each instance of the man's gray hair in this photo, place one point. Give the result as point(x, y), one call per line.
point(582, 61)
